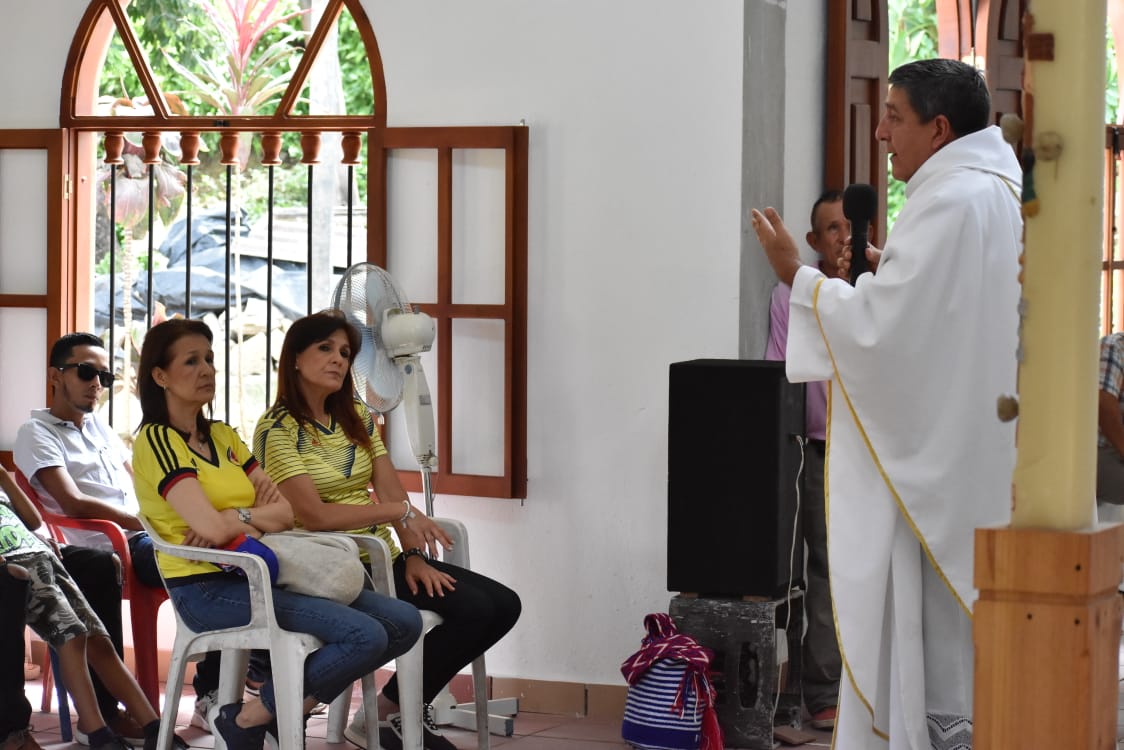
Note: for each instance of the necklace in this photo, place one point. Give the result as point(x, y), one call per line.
point(194, 439)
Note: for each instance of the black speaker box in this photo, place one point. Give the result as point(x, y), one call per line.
point(732, 468)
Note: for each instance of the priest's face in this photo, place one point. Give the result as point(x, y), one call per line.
point(830, 232)
point(909, 141)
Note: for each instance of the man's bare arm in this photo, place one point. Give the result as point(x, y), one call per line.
point(77, 504)
point(20, 503)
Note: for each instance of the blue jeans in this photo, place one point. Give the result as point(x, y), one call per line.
point(144, 560)
point(358, 638)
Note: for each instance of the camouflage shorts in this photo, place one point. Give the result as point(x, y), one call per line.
point(56, 610)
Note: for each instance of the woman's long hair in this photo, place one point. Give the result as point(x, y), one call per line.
point(156, 352)
point(304, 333)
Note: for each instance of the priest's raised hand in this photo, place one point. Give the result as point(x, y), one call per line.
point(777, 241)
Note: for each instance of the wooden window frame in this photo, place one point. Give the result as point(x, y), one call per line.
point(857, 61)
point(512, 311)
point(59, 299)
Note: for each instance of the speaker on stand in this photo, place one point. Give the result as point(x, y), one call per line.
point(733, 463)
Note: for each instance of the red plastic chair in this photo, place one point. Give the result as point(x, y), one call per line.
point(144, 601)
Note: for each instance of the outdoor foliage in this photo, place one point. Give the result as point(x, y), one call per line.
point(913, 36)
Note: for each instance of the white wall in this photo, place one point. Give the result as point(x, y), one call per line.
point(805, 72)
point(635, 113)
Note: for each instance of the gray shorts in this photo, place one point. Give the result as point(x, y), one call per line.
point(56, 610)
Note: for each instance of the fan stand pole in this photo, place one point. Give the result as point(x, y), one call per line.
point(427, 487)
point(446, 710)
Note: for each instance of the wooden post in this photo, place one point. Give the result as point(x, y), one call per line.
point(1047, 635)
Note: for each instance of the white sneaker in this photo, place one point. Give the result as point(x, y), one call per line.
point(200, 717)
point(355, 732)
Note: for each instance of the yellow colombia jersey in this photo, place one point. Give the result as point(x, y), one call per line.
point(162, 458)
point(340, 469)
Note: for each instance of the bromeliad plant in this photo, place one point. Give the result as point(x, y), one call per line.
point(248, 80)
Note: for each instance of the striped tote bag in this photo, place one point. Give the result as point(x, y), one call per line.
point(670, 702)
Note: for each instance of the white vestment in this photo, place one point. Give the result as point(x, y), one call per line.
point(917, 459)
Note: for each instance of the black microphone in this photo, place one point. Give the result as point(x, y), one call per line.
point(860, 203)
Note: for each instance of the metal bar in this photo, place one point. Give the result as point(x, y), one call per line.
point(350, 208)
point(112, 274)
point(308, 267)
point(151, 228)
point(187, 248)
point(1112, 209)
point(269, 290)
point(226, 299)
point(1109, 264)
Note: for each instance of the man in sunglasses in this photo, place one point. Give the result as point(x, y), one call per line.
point(80, 468)
point(76, 464)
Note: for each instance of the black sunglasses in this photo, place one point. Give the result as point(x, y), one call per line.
point(88, 372)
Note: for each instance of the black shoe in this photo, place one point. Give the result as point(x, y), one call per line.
point(236, 737)
point(117, 743)
point(388, 739)
point(178, 742)
point(271, 729)
point(432, 739)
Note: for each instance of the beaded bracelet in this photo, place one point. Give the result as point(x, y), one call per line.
point(414, 552)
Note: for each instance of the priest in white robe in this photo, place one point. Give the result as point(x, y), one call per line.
point(916, 355)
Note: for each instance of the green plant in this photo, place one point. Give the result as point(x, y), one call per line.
point(158, 25)
point(246, 80)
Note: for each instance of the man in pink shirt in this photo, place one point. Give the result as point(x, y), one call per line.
point(822, 664)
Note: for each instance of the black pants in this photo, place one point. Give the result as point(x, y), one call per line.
point(822, 663)
point(476, 615)
point(15, 711)
point(96, 573)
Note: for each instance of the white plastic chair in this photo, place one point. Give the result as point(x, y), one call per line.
point(287, 651)
point(409, 665)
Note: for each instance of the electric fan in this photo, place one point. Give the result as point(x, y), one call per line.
point(388, 371)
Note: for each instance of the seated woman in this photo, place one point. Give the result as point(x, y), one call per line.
point(59, 614)
point(199, 485)
point(321, 447)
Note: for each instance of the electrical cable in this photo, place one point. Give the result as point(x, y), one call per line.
point(803, 442)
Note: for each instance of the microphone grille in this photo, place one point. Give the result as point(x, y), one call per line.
point(860, 202)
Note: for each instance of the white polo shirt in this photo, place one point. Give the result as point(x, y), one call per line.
point(93, 456)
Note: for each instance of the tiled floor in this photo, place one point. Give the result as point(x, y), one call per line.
point(533, 731)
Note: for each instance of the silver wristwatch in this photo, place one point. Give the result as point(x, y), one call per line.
point(243, 514)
